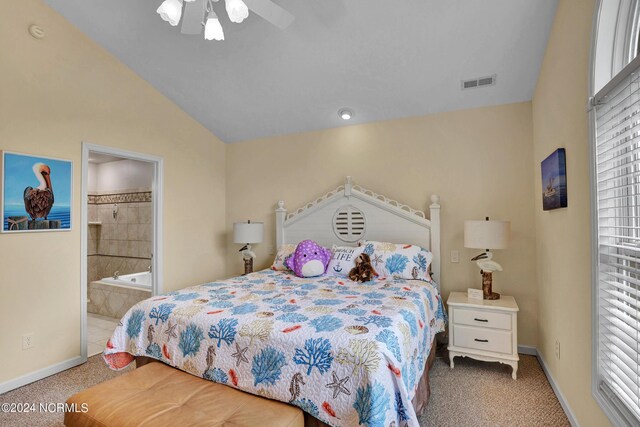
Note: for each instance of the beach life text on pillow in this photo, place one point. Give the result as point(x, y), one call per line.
point(343, 259)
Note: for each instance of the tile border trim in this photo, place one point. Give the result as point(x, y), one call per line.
point(104, 199)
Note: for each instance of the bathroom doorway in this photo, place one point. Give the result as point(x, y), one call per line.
point(121, 238)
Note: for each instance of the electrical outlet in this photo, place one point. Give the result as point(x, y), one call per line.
point(27, 341)
point(455, 256)
point(557, 349)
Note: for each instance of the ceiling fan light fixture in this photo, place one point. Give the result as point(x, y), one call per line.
point(171, 11)
point(237, 10)
point(346, 113)
point(213, 29)
point(195, 11)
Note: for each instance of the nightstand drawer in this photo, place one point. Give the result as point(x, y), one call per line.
point(482, 339)
point(464, 316)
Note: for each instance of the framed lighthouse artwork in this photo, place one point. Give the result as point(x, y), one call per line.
point(36, 193)
point(554, 180)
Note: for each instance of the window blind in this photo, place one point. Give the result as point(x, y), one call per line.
point(617, 181)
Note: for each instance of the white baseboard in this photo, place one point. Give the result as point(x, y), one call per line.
point(532, 351)
point(40, 374)
point(525, 349)
point(556, 390)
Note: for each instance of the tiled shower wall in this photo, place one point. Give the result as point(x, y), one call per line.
point(123, 243)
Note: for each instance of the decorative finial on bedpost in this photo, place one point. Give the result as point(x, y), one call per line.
point(281, 217)
point(347, 186)
point(434, 219)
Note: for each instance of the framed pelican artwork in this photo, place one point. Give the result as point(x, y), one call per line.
point(554, 181)
point(36, 193)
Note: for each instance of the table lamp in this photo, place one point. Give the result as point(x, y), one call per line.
point(247, 233)
point(487, 235)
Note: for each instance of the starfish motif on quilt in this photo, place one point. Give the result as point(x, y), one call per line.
point(377, 259)
point(171, 332)
point(239, 355)
point(338, 385)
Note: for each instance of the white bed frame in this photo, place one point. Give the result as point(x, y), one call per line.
point(351, 213)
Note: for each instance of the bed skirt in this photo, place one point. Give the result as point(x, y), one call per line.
point(419, 401)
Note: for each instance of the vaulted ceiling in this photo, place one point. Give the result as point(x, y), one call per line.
point(383, 59)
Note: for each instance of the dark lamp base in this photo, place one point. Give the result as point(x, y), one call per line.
point(248, 265)
point(492, 295)
point(487, 282)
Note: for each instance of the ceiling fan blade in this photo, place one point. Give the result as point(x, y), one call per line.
point(271, 12)
point(192, 17)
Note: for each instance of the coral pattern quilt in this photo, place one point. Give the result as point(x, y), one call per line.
point(347, 353)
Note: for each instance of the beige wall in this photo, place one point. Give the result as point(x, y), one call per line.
point(64, 89)
point(564, 235)
point(55, 93)
point(478, 161)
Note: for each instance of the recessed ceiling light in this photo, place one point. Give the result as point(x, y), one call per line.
point(346, 114)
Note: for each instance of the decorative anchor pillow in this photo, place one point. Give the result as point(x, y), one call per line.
point(343, 259)
point(309, 260)
point(398, 260)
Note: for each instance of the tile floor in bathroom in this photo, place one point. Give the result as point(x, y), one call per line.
point(99, 330)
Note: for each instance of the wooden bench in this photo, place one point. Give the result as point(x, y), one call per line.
point(159, 395)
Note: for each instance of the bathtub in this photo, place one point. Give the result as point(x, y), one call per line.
point(113, 297)
point(135, 281)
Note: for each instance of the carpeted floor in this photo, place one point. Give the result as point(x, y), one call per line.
point(55, 389)
point(472, 394)
point(483, 394)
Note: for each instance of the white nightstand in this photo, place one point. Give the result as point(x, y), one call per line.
point(483, 329)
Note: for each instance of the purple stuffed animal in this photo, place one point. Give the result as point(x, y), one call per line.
point(309, 259)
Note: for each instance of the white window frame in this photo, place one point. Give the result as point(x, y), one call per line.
point(613, 54)
point(614, 39)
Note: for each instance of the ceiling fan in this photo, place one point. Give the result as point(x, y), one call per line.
point(198, 13)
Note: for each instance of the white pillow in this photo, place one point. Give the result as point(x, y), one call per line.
point(343, 259)
point(399, 260)
point(284, 252)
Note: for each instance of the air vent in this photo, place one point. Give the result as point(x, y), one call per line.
point(349, 224)
point(479, 82)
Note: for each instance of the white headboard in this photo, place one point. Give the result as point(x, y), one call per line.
point(351, 213)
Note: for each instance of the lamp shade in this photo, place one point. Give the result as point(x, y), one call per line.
point(213, 29)
point(237, 10)
point(486, 234)
point(248, 232)
point(171, 11)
